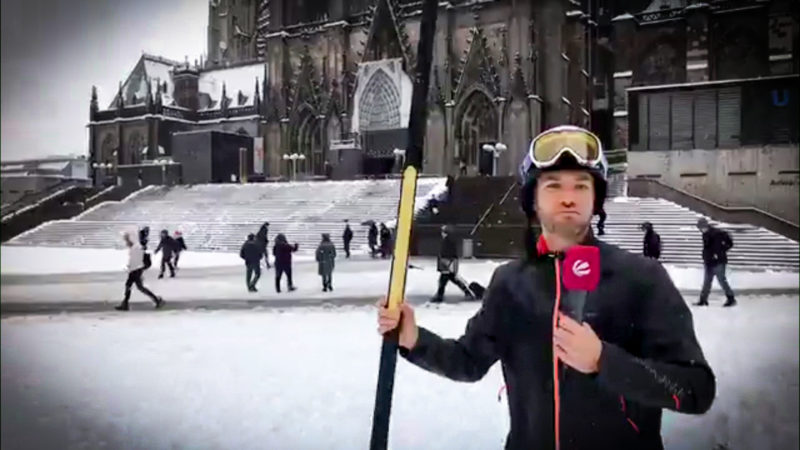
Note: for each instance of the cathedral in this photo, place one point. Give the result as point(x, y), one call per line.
point(311, 77)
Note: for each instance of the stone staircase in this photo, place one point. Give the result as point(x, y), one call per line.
point(502, 230)
point(219, 217)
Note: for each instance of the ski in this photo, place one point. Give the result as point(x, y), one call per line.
point(405, 218)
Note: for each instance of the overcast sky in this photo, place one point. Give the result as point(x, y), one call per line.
point(54, 51)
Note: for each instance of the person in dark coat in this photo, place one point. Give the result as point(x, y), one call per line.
point(283, 261)
point(601, 222)
point(599, 383)
point(326, 256)
point(251, 254)
point(652, 242)
point(386, 241)
point(447, 265)
point(347, 237)
point(372, 239)
point(716, 244)
point(136, 268)
point(180, 246)
point(167, 247)
point(262, 239)
point(144, 236)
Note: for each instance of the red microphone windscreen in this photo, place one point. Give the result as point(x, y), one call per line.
point(581, 268)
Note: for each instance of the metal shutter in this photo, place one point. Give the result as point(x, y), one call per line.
point(641, 122)
point(682, 121)
point(659, 121)
point(705, 119)
point(730, 117)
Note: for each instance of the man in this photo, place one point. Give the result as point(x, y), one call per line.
point(144, 236)
point(168, 245)
point(262, 239)
point(601, 222)
point(386, 241)
point(652, 242)
point(635, 354)
point(136, 267)
point(372, 239)
point(447, 265)
point(251, 254)
point(347, 237)
point(283, 261)
point(716, 244)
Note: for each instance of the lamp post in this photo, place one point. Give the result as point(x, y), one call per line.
point(497, 149)
point(294, 157)
point(400, 155)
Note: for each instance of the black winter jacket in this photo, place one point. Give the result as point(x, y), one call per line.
point(251, 253)
point(347, 236)
point(180, 244)
point(716, 244)
point(448, 248)
point(652, 244)
point(167, 245)
point(650, 358)
point(283, 254)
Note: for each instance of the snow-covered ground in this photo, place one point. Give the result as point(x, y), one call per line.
point(20, 260)
point(305, 378)
point(200, 283)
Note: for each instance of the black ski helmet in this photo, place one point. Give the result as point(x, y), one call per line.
point(529, 173)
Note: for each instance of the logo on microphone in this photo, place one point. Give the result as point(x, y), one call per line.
point(581, 268)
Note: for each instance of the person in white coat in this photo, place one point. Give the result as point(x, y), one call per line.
point(136, 267)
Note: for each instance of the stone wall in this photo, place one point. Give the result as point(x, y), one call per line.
point(763, 177)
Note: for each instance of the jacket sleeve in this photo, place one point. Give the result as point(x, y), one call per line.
point(241, 252)
point(469, 357)
point(160, 244)
point(670, 370)
point(727, 241)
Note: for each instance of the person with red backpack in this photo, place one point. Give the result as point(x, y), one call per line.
point(597, 375)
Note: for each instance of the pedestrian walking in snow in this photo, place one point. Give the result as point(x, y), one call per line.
point(136, 267)
point(372, 239)
point(180, 246)
point(386, 241)
point(716, 244)
point(651, 247)
point(326, 257)
point(262, 238)
point(144, 236)
point(601, 222)
point(251, 254)
point(283, 261)
point(347, 237)
point(581, 375)
point(447, 266)
point(167, 247)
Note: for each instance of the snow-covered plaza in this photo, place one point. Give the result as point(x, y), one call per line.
point(274, 377)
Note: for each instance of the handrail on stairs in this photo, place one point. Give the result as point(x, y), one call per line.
point(491, 208)
point(648, 187)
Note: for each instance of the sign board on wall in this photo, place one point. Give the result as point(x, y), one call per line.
point(258, 154)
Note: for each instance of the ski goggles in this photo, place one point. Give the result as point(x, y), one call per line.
point(548, 147)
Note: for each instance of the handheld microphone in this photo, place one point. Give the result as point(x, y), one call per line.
point(580, 273)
